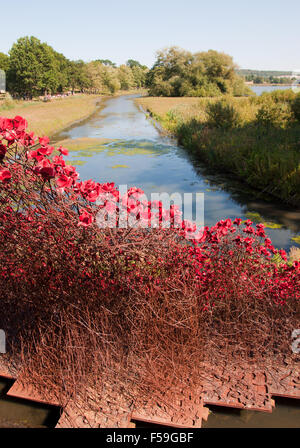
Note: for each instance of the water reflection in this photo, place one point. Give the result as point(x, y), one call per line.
point(17, 413)
point(286, 414)
point(259, 89)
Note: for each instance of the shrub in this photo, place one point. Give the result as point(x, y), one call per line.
point(274, 114)
point(222, 114)
point(282, 96)
point(296, 107)
point(7, 103)
point(276, 96)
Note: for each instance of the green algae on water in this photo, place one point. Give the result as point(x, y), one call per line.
point(120, 166)
point(75, 162)
point(296, 239)
point(257, 218)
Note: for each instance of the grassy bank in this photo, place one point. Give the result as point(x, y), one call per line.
point(257, 139)
point(47, 118)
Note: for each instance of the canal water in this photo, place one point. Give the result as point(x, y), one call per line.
point(120, 144)
point(259, 89)
point(18, 413)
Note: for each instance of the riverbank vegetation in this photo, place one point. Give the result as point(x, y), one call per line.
point(34, 68)
point(177, 72)
point(256, 138)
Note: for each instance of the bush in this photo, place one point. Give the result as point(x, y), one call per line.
point(273, 114)
point(296, 107)
point(222, 114)
point(283, 96)
point(7, 103)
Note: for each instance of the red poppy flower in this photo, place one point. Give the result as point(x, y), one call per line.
point(237, 221)
point(108, 187)
point(19, 123)
point(29, 139)
point(6, 124)
point(93, 195)
point(45, 150)
point(85, 219)
point(86, 186)
point(64, 182)
point(5, 175)
point(63, 151)
point(283, 255)
point(44, 141)
point(45, 169)
point(34, 155)
point(248, 223)
point(59, 161)
point(70, 171)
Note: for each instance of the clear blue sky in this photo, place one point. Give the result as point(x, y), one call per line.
point(258, 34)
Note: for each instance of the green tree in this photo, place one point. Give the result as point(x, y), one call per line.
point(95, 71)
point(33, 67)
point(139, 75)
point(177, 72)
point(111, 80)
point(107, 62)
point(4, 62)
point(104, 78)
point(139, 72)
point(63, 72)
point(78, 76)
point(133, 63)
point(126, 77)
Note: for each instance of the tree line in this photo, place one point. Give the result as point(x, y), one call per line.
point(270, 79)
point(34, 68)
point(266, 76)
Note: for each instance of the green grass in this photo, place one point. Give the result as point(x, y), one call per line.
point(47, 118)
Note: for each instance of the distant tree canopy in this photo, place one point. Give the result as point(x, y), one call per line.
point(107, 62)
point(177, 72)
point(269, 79)
point(34, 68)
point(133, 63)
point(262, 73)
point(266, 76)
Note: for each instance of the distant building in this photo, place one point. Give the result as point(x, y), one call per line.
point(2, 81)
